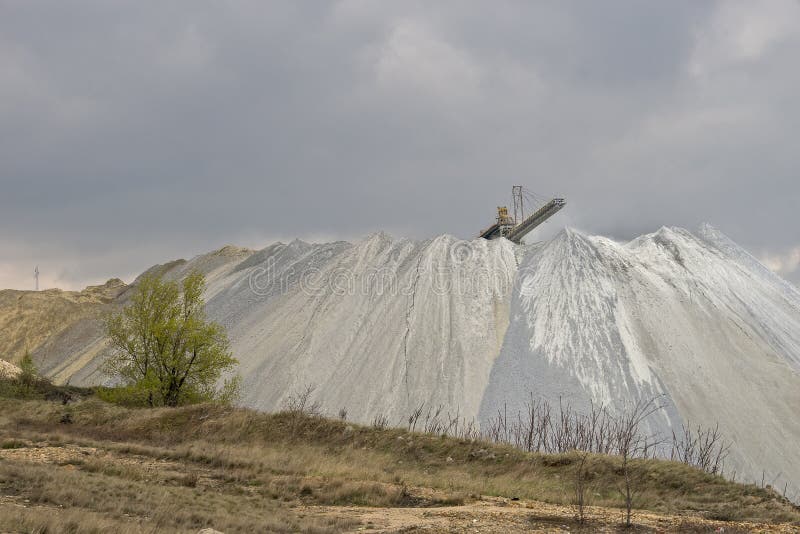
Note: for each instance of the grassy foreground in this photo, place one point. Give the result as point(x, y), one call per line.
point(90, 466)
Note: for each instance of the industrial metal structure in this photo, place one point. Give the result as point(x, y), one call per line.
point(515, 227)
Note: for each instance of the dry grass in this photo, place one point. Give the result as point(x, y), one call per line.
point(123, 497)
point(237, 471)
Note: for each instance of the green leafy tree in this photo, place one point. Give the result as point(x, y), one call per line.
point(28, 375)
point(166, 353)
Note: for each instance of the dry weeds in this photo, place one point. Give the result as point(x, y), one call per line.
point(178, 470)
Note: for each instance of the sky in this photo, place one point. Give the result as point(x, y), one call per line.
point(133, 133)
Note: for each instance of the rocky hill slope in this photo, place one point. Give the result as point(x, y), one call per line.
point(34, 320)
point(383, 325)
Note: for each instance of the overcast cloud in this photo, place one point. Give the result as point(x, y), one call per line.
point(135, 132)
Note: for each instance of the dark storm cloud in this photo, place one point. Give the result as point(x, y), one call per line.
point(132, 132)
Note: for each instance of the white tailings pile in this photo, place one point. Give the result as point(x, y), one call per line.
point(695, 319)
point(378, 327)
point(384, 325)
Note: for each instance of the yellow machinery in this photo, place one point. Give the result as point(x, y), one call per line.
point(502, 216)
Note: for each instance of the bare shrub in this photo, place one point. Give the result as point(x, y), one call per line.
point(414, 417)
point(632, 444)
point(436, 421)
point(701, 448)
point(542, 427)
point(469, 431)
point(380, 422)
point(581, 476)
point(300, 403)
point(433, 423)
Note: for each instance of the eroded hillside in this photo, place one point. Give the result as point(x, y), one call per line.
point(28, 319)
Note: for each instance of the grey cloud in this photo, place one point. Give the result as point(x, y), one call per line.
point(136, 132)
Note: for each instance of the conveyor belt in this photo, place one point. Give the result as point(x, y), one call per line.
point(540, 216)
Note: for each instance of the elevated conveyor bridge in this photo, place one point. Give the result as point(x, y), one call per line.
point(515, 227)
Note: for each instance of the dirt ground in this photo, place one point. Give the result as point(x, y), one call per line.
point(501, 516)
